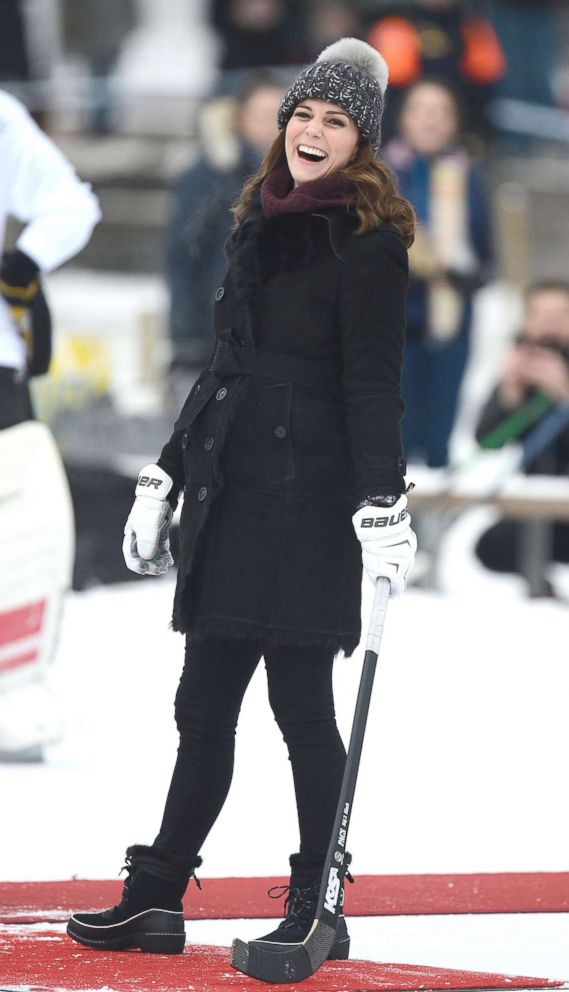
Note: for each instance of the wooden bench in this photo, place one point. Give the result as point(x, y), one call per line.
point(535, 500)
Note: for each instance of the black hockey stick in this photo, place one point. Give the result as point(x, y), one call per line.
point(286, 963)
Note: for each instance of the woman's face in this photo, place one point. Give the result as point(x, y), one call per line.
point(429, 120)
point(320, 138)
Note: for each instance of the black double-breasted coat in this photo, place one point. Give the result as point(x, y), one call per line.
point(295, 418)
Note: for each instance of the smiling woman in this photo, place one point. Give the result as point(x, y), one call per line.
point(320, 138)
point(330, 133)
point(289, 453)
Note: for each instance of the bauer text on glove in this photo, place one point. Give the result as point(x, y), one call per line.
point(388, 543)
point(146, 545)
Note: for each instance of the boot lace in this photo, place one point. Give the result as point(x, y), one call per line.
point(130, 867)
point(300, 904)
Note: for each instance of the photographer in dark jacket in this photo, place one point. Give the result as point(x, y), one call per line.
point(289, 449)
point(537, 362)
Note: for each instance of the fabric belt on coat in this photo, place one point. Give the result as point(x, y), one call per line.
point(229, 359)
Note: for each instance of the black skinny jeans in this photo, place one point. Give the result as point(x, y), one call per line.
point(216, 674)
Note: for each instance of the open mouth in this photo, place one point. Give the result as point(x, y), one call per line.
point(308, 153)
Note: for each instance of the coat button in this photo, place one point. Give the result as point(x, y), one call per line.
point(202, 494)
point(185, 440)
point(280, 431)
point(221, 393)
point(209, 443)
point(219, 293)
point(198, 387)
point(242, 342)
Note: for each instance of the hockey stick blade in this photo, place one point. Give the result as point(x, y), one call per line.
point(271, 961)
point(282, 963)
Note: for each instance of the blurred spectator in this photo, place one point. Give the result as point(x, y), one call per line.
point(95, 30)
point(14, 62)
point(201, 220)
point(451, 258)
point(446, 39)
point(328, 20)
point(529, 35)
point(258, 33)
point(537, 363)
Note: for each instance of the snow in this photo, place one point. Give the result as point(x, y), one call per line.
point(525, 944)
point(530, 945)
point(462, 771)
point(462, 768)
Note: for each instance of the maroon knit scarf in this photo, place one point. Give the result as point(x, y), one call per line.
point(278, 196)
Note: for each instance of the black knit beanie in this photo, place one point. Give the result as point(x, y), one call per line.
point(349, 73)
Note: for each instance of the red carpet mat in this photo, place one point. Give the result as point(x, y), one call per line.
point(46, 961)
point(372, 895)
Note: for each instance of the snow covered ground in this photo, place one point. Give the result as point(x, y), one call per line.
point(464, 766)
point(529, 945)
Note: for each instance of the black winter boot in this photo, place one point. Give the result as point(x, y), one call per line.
point(300, 908)
point(149, 915)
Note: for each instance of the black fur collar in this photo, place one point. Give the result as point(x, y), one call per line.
point(259, 248)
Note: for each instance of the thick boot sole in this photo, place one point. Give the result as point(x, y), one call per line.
point(121, 937)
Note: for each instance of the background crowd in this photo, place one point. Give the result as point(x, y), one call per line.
point(165, 106)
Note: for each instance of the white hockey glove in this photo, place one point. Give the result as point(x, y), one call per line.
point(146, 545)
point(383, 526)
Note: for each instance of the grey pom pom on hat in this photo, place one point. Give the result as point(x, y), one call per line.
point(350, 73)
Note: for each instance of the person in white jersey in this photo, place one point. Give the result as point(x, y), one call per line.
point(39, 189)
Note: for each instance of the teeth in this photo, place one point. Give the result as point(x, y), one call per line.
point(312, 151)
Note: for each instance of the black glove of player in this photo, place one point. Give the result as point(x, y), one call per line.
point(19, 284)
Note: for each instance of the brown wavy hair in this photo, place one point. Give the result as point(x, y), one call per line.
point(376, 198)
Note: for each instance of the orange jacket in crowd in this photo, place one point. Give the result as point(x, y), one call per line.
point(403, 46)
